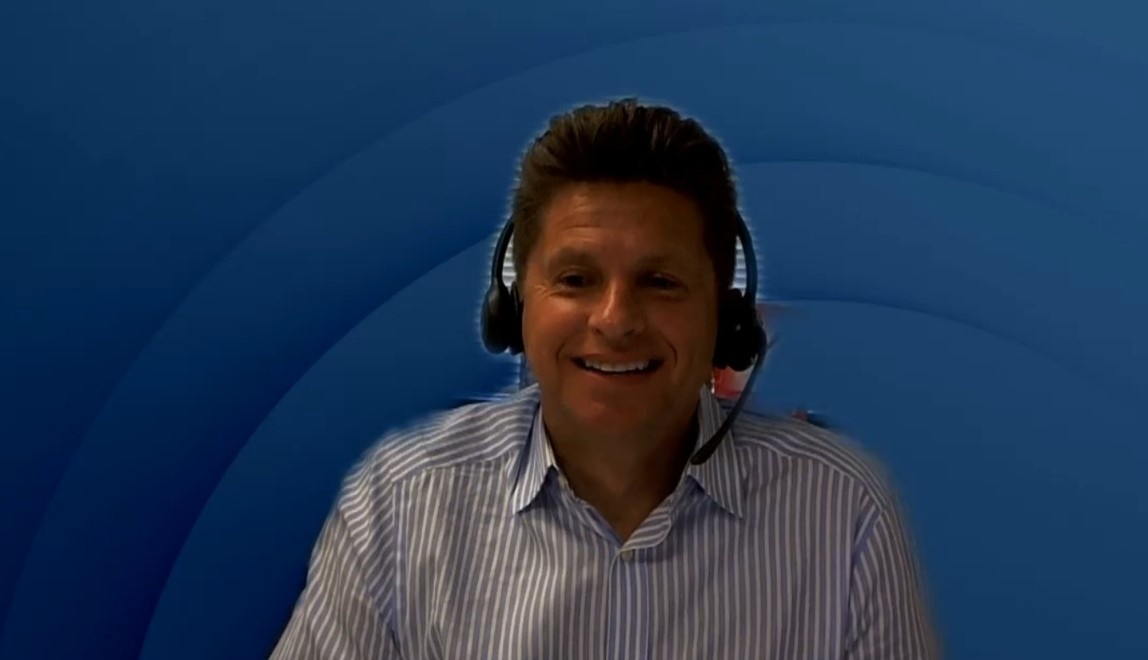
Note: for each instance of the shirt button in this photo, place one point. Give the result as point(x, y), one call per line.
point(627, 554)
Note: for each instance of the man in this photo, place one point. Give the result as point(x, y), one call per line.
point(569, 521)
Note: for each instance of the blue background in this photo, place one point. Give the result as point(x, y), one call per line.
point(236, 236)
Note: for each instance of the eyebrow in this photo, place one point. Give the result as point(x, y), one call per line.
point(572, 256)
point(568, 256)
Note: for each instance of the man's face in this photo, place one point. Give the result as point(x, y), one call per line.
point(620, 309)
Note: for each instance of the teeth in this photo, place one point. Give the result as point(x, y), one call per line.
point(617, 368)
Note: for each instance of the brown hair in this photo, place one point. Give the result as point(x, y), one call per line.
point(625, 141)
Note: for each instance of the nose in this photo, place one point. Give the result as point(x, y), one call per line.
point(617, 313)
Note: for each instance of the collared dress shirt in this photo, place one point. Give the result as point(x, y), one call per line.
point(460, 538)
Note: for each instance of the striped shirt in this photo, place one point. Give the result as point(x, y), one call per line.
point(461, 539)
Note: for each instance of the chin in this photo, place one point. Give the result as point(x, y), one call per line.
point(610, 413)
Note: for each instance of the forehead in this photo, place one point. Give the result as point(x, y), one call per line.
point(623, 218)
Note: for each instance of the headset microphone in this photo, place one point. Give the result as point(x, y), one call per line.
point(710, 446)
point(741, 338)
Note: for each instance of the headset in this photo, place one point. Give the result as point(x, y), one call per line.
point(741, 337)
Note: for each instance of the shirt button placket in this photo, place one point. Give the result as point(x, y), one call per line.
point(629, 611)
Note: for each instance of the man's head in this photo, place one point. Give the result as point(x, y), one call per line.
point(625, 240)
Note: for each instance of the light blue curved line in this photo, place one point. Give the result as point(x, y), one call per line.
point(946, 31)
point(966, 323)
point(935, 173)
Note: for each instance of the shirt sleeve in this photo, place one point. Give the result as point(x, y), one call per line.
point(343, 612)
point(889, 610)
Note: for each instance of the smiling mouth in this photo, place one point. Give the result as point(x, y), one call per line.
point(618, 368)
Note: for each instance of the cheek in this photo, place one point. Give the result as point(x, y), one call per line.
point(545, 329)
point(693, 341)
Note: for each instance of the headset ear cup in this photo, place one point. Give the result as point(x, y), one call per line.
point(493, 335)
point(739, 336)
point(502, 319)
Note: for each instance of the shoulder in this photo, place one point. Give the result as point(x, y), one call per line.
point(797, 445)
point(472, 435)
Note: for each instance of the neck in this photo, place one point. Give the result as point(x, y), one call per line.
point(624, 479)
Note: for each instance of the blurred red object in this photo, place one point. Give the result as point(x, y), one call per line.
point(729, 384)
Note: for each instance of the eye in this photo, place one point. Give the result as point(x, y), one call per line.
point(573, 280)
point(663, 282)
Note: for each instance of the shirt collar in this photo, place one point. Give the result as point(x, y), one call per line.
point(720, 478)
point(535, 464)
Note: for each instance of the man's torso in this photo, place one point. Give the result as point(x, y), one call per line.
point(475, 578)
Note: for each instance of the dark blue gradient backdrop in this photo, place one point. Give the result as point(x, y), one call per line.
point(242, 239)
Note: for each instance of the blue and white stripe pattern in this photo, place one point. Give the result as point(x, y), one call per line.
point(460, 539)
